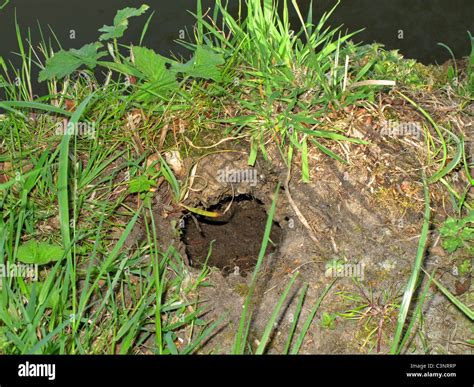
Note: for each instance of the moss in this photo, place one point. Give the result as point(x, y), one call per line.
point(241, 289)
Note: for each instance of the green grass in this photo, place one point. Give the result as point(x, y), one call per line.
point(415, 274)
point(272, 67)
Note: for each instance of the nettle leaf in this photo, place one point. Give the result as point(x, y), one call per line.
point(140, 184)
point(59, 66)
point(111, 32)
point(204, 64)
point(64, 63)
point(153, 68)
point(40, 253)
point(89, 54)
point(121, 22)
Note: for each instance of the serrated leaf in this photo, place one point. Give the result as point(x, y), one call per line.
point(111, 32)
point(60, 65)
point(89, 54)
point(204, 64)
point(64, 63)
point(50, 252)
point(121, 22)
point(39, 253)
point(153, 69)
point(149, 62)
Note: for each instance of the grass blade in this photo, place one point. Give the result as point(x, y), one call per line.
point(413, 281)
point(270, 325)
point(239, 344)
point(299, 342)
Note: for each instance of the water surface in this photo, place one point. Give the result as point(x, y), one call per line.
point(422, 23)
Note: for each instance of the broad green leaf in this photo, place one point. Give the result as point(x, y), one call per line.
point(149, 63)
point(204, 64)
point(153, 68)
point(40, 253)
point(121, 22)
point(64, 63)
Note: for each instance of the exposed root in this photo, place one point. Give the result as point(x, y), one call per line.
point(298, 213)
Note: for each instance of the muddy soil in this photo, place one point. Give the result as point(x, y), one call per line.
point(236, 236)
point(366, 215)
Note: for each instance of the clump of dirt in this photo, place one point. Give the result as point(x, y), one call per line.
point(236, 237)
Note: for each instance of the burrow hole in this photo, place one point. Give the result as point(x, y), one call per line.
point(237, 235)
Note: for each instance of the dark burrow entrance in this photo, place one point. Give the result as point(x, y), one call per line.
point(237, 234)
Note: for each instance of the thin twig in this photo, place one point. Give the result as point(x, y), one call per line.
point(295, 208)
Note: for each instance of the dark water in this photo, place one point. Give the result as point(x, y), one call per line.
point(424, 23)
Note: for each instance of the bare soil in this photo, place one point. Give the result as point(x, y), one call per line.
point(236, 236)
point(367, 213)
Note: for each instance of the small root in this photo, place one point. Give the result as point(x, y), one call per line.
point(296, 210)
